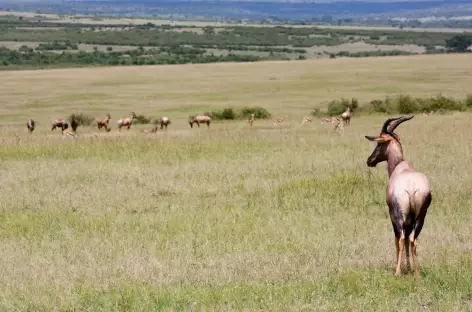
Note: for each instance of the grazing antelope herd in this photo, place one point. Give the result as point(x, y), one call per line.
point(408, 193)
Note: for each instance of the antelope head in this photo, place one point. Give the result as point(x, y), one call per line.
point(133, 115)
point(385, 140)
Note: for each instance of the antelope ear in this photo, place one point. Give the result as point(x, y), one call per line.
point(377, 139)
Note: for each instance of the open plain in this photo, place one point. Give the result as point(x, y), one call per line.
point(284, 218)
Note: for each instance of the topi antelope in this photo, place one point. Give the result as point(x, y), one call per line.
point(250, 119)
point(103, 123)
point(199, 120)
point(30, 124)
point(126, 122)
point(346, 116)
point(408, 191)
point(60, 123)
point(164, 122)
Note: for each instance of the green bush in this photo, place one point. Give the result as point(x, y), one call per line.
point(406, 104)
point(225, 114)
point(82, 119)
point(243, 113)
point(259, 112)
point(468, 101)
point(143, 120)
point(338, 107)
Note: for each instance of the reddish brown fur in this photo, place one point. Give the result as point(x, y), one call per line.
point(408, 191)
point(31, 125)
point(347, 115)
point(60, 123)
point(164, 122)
point(250, 119)
point(103, 123)
point(127, 122)
point(199, 120)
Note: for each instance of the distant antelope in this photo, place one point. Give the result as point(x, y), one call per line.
point(338, 125)
point(164, 122)
point(346, 116)
point(250, 119)
point(428, 113)
point(60, 123)
point(103, 123)
point(337, 122)
point(152, 130)
point(126, 122)
point(31, 125)
point(306, 119)
point(277, 121)
point(199, 120)
point(327, 120)
point(408, 191)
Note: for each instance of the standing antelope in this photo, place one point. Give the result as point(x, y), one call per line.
point(126, 122)
point(250, 119)
point(408, 191)
point(164, 122)
point(30, 124)
point(104, 123)
point(198, 120)
point(346, 116)
point(60, 123)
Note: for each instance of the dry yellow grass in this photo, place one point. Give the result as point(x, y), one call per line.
point(276, 219)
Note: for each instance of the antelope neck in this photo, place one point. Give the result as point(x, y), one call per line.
point(395, 156)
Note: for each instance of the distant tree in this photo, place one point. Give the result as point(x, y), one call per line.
point(459, 43)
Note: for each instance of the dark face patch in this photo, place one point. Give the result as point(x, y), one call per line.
point(378, 155)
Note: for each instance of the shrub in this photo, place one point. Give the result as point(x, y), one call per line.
point(82, 119)
point(243, 113)
point(339, 106)
point(443, 103)
point(406, 104)
point(316, 112)
point(259, 112)
point(225, 114)
point(143, 120)
point(468, 101)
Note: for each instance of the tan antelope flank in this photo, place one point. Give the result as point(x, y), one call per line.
point(152, 130)
point(277, 121)
point(30, 125)
point(60, 123)
point(346, 116)
point(408, 191)
point(250, 119)
point(164, 122)
point(126, 122)
point(306, 119)
point(325, 120)
point(199, 120)
point(337, 122)
point(103, 123)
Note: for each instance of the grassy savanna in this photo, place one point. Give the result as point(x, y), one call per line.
point(285, 218)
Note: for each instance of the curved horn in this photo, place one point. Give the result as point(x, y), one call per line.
point(397, 122)
point(387, 123)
